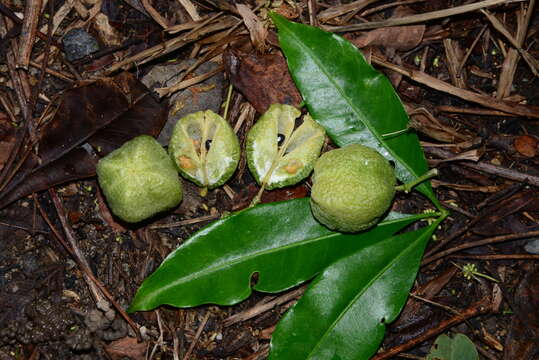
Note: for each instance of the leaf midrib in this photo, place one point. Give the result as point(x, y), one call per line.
point(363, 290)
point(221, 266)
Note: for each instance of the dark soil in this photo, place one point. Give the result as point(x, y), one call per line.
point(48, 312)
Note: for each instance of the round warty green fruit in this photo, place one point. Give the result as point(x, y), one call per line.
point(352, 188)
point(139, 180)
point(205, 148)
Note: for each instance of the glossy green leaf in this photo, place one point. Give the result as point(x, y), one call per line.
point(460, 347)
point(344, 312)
point(281, 242)
point(354, 102)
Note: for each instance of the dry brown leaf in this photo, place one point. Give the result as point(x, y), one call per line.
point(401, 38)
point(262, 79)
point(256, 28)
point(108, 34)
point(7, 138)
point(526, 145)
point(126, 346)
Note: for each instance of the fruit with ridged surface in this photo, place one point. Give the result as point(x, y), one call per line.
point(353, 187)
point(139, 180)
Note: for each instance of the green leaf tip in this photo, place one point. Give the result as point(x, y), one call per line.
point(354, 102)
point(345, 311)
point(215, 265)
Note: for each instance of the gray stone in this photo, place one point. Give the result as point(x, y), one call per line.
point(186, 101)
point(78, 44)
point(532, 246)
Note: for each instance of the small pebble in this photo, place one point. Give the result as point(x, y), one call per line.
point(532, 246)
point(78, 44)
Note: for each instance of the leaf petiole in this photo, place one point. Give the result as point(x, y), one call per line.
point(409, 186)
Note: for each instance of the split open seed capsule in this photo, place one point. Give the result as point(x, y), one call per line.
point(205, 148)
point(278, 153)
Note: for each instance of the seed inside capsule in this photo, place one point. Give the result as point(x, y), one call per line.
point(185, 162)
point(293, 166)
point(207, 144)
point(280, 139)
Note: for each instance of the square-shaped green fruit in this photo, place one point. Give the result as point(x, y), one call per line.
point(139, 179)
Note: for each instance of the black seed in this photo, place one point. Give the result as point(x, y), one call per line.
point(280, 139)
point(207, 144)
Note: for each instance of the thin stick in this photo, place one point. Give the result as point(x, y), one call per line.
point(487, 101)
point(498, 257)
point(52, 72)
point(419, 18)
point(487, 241)
point(227, 102)
point(470, 50)
point(172, 44)
point(517, 43)
point(461, 110)
point(262, 307)
point(184, 222)
point(481, 307)
point(189, 82)
point(81, 260)
point(154, 14)
point(32, 10)
point(197, 335)
point(191, 9)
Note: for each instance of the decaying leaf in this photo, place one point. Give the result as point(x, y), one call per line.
point(522, 341)
point(205, 148)
point(278, 154)
point(7, 138)
point(262, 79)
point(256, 28)
point(526, 145)
point(401, 38)
point(127, 347)
point(81, 115)
point(145, 116)
point(77, 164)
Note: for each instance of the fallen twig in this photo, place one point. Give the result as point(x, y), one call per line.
point(263, 307)
point(173, 44)
point(487, 101)
point(487, 241)
point(77, 255)
point(32, 10)
point(481, 307)
point(414, 19)
point(197, 335)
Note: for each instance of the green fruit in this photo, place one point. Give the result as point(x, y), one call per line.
point(205, 148)
point(278, 154)
point(139, 179)
point(352, 188)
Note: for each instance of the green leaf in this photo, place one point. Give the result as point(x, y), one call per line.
point(354, 102)
point(344, 312)
point(281, 242)
point(460, 347)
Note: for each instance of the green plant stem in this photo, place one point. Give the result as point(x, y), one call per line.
point(227, 102)
point(409, 186)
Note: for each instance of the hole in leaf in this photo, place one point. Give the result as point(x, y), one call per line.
point(254, 278)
